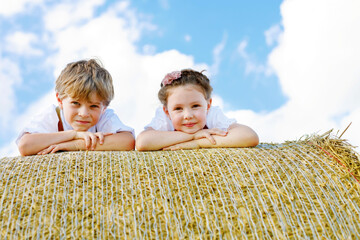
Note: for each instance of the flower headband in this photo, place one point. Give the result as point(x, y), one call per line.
point(170, 77)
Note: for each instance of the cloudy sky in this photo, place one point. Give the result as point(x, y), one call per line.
point(286, 68)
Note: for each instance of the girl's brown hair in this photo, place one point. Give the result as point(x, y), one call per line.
point(188, 76)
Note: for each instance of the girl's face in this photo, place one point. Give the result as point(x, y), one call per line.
point(187, 108)
point(82, 114)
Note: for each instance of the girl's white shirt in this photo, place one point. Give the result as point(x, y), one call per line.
point(214, 119)
point(47, 122)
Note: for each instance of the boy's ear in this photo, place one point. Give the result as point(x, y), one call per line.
point(59, 101)
point(166, 111)
point(103, 109)
point(209, 102)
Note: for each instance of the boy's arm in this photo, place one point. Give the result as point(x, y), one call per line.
point(238, 136)
point(32, 143)
point(122, 141)
point(151, 139)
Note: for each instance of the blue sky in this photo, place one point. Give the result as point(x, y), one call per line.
point(286, 68)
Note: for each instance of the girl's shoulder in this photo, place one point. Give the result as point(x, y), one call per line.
point(160, 121)
point(217, 119)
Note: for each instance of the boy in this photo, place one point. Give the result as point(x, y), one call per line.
point(82, 121)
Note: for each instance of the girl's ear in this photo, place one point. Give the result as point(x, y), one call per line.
point(166, 111)
point(209, 102)
point(59, 101)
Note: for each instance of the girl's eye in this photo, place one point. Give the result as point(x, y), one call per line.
point(94, 106)
point(75, 103)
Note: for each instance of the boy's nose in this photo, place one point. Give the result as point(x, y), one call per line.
point(83, 112)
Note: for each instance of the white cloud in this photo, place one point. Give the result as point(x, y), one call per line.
point(9, 78)
point(164, 4)
point(20, 121)
point(69, 13)
point(214, 68)
point(9, 8)
point(21, 43)
point(251, 66)
point(272, 35)
point(317, 62)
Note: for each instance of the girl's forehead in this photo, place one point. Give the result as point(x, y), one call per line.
point(184, 94)
point(186, 88)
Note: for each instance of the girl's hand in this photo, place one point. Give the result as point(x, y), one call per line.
point(207, 133)
point(185, 145)
point(66, 146)
point(91, 138)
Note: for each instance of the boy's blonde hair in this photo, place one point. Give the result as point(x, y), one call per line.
point(79, 79)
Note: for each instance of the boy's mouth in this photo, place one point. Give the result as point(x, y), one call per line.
point(82, 122)
point(189, 124)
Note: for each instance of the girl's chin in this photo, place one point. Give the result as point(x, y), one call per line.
point(189, 131)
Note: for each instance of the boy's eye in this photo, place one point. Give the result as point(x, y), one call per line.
point(196, 105)
point(177, 108)
point(94, 106)
point(75, 103)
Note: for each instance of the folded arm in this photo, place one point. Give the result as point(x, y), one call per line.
point(155, 140)
point(43, 143)
point(238, 136)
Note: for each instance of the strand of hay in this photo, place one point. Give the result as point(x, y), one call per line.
point(293, 190)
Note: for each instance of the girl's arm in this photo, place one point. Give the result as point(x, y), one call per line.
point(156, 140)
point(238, 136)
point(151, 139)
point(122, 141)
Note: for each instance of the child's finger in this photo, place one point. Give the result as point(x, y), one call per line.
point(101, 138)
point(217, 131)
point(87, 142)
point(211, 138)
point(55, 149)
point(93, 141)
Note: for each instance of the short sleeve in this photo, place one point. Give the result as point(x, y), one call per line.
point(110, 122)
point(45, 122)
point(217, 119)
point(160, 121)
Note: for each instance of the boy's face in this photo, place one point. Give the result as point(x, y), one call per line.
point(82, 114)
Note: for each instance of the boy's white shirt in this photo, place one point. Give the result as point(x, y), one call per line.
point(214, 119)
point(47, 122)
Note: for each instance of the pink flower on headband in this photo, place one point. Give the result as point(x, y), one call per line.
point(170, 77)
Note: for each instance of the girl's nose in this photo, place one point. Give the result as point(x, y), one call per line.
point(188, 114)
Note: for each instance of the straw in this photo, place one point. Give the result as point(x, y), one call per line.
point(294, 190)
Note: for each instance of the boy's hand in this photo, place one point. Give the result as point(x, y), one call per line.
point(207, 133)
point(91, 138)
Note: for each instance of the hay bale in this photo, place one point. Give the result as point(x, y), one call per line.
point(295, 190)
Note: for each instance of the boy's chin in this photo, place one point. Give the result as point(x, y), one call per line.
point(80, 129)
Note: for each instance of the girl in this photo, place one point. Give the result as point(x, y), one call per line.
point(187, 120)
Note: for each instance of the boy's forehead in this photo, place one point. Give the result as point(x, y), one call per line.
point(91, 98)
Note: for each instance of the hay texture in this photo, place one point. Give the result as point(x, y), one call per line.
point(296, 190)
